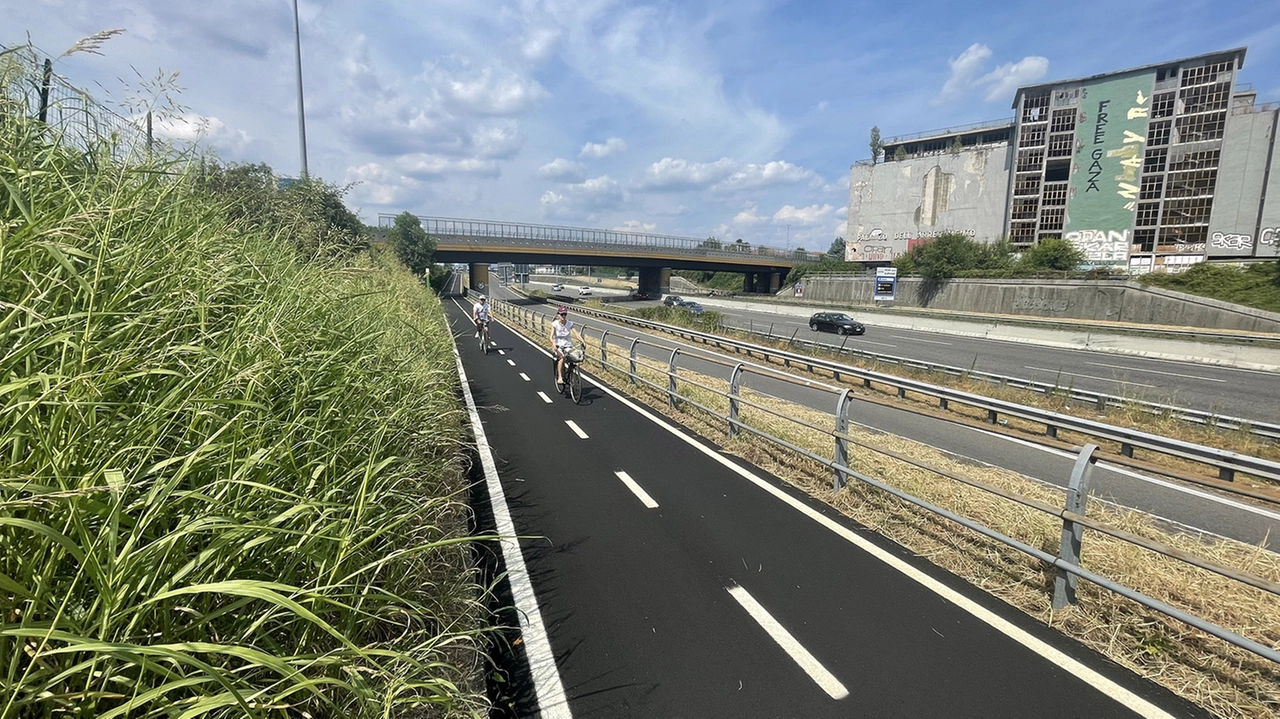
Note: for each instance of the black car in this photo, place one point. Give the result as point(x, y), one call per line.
point(837, 322)
point(639, 295)
point(694, 308)
point(673, 301)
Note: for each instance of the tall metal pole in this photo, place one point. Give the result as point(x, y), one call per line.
point(302, 118)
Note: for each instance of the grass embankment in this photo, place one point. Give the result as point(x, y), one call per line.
point(1255, 286)
point(232, 481)
point(1227, 681)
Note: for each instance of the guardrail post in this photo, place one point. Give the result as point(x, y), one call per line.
point(604, 350)
point(992, 416)
point(1051, 431)
point(734, 386)
point(1226, 474)
point(1126, 450)
point(1064, 585)
point(841, 457)
point(671, 377)
point(632, 355)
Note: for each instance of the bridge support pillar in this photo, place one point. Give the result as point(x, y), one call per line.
point(655, 280)
point(748, 282)
point(775, 282)
point(478, 278)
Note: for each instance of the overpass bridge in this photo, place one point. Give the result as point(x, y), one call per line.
point(481, 242)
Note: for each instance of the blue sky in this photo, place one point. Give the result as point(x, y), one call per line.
point(706, 117)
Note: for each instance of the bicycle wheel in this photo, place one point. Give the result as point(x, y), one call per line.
point(575, 384)
point(484, 340)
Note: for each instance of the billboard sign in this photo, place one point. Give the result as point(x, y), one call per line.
point(1111, 140)
point(886, 283)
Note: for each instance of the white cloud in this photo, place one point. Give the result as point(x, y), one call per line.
point(811, 215)
point(563, 170)
point(379, 185)
point(426, 166)
point(670, 174)
point(777, 172)
point(488, 91)
point(584, 198)
point(637, 226)
point(999, 84)
point(749, 216)
point(596, 150)
point(499, 142)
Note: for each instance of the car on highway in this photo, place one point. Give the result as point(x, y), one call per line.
point(584, 290)
point(557, 287)
point(837, 322)
point(639, 295)
point(694, 308)
point(673, 301)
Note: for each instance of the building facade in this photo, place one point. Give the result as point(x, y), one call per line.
point(1149, 169)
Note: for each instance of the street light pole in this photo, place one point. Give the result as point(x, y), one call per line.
point(302, 119)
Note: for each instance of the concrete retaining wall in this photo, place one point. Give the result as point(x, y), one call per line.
point(1111, 301)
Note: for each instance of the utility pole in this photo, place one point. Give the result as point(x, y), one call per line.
point(302, 119)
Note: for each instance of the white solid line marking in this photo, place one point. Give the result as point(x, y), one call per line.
point(1087, 376)
point(637, 490)
point(1156, 371)
point(1133, 702)
point(917, 339)
point(511, 362)
point(547, 686)
point(576, 429)
point(544, 397)
point(524, 376)
point(778, 633)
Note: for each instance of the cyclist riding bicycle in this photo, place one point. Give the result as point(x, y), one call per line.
point(480, 314)
point(562, 329)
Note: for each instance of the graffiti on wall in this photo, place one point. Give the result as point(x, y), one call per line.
point(1040, 303)
point(1268, 242)
point(1101, 246)
point(1231, 241)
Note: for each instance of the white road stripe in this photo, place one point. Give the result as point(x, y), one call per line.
point(544, 397)
point(524, 376)
point(494, 344)
point(917, 339)
point(511, 362)
point(1086, 674)
point(501, 352)
point(637, 490)
point(1156, 371)
point(547, 685)
point(869, 342)
point(576, 429)
point(1087, 376)
point(801, 656)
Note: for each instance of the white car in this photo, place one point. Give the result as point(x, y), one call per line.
point(584, 290)
point(557, 287)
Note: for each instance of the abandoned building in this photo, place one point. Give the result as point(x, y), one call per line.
point(1153, 168)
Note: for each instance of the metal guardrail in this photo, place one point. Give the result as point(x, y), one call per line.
point(553, 235)
point(1226, 463)
point(1073, 513)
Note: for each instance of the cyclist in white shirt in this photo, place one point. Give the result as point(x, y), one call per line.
point(562, 329)
point(480, 313)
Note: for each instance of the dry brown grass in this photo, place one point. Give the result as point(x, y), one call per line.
point(1225, 680)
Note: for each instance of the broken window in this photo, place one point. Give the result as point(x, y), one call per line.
point(1035, 108)
point(1027, 185)
point(1193, 183)
point(1205, 74)
point(1148, 214)
point(1022, 233)
point(1144, 240)
point(1155, 160)
point(1197, 128)
point(1055, 194)
point(1192, 211)
point(1162, 104)
point(1152, 186)
point(1057, 170)
point(1032, 136)
point(1202, 160)
point(1063, 120)
point(1176, 239)
point(1025, 208)
point(1061, 145)
point(1030, 160)
point(1206, 98)
point(1051, 218)
point(1158, 133)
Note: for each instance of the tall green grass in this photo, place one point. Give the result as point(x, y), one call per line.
point(230, 481)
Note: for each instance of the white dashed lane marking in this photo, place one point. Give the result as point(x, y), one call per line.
point(544, 397)
point(576, 429)
point(778, 633)
point(637, 490)
point(511, 362)
point(524, 376)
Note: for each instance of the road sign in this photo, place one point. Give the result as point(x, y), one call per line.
point(886, 283)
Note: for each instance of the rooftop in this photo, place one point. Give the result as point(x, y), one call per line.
point(1236, 53)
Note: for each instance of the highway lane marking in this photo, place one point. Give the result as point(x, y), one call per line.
point(547, 685)
point(1133, 702)
point(637, 490)
point(917, 339)
point(524, 377)
point(500, 353)
point(778, 633)
point(869, 342)
point(511, 362)
point(1155, 371)
point(576, 429)
point(1088, 376)
point(544, 397)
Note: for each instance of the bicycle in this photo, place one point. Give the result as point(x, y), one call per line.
point(484, 336)
point(571, 379)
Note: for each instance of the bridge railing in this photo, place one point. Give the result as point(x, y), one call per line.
point(497, 230)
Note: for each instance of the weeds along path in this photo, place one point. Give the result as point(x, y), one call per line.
point(1225, 680)
point(232, 475)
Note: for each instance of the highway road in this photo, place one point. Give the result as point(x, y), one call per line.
point(1251, 394)
point(1177, 504)
point(671, 580)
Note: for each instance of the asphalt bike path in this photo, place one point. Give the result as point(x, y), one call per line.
point(723, 601)
point(1186, 506)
